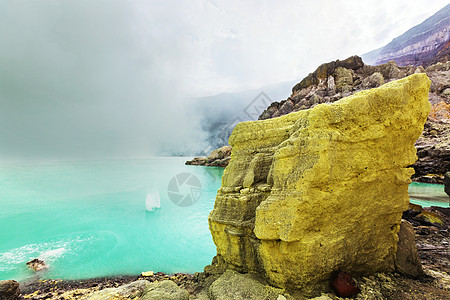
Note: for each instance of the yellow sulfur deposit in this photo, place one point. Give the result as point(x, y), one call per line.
point(321, 190)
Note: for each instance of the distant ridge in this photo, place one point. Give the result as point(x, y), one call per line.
point(424, 44)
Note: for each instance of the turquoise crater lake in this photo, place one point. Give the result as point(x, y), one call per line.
point(89, 219)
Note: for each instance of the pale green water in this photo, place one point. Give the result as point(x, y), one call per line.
point(426, 194)
point(89, 219)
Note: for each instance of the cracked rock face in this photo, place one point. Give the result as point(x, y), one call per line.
point(321, 190)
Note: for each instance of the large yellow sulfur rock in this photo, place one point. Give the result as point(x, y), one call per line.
point(321, 190)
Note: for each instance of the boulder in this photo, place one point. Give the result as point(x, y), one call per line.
point(407, 260)
point(390, 70)
point(143, 290)
point(9, 290)
point(220, 153)
point(343, 80)
point(133, 290)
point(447, 183)
point(373, 81)
point(232, 285)
point(164, 290)
point(344, 285)
point(440, 112)
point(321, 190)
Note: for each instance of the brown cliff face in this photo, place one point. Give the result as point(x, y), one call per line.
point(335, 80)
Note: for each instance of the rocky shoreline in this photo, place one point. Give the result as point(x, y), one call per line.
point(432, 238)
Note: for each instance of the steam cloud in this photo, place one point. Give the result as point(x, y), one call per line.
point(78, 79)
point(83, 78)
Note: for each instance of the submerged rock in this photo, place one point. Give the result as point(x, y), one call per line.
point(37, 265)
point(320, 190)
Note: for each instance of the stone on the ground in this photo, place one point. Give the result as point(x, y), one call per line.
point(430, 218)
point(374, 80)
point(442, 278)
point(321, 190)
point(407, 260)
point(164, 290)
point(9, 290)
point(133, 290)
point(344, 285)
point(233, 285)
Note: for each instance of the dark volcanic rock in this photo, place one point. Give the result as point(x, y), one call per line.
point(9, 290)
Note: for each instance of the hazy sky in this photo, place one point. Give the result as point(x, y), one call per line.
point(95, 78)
